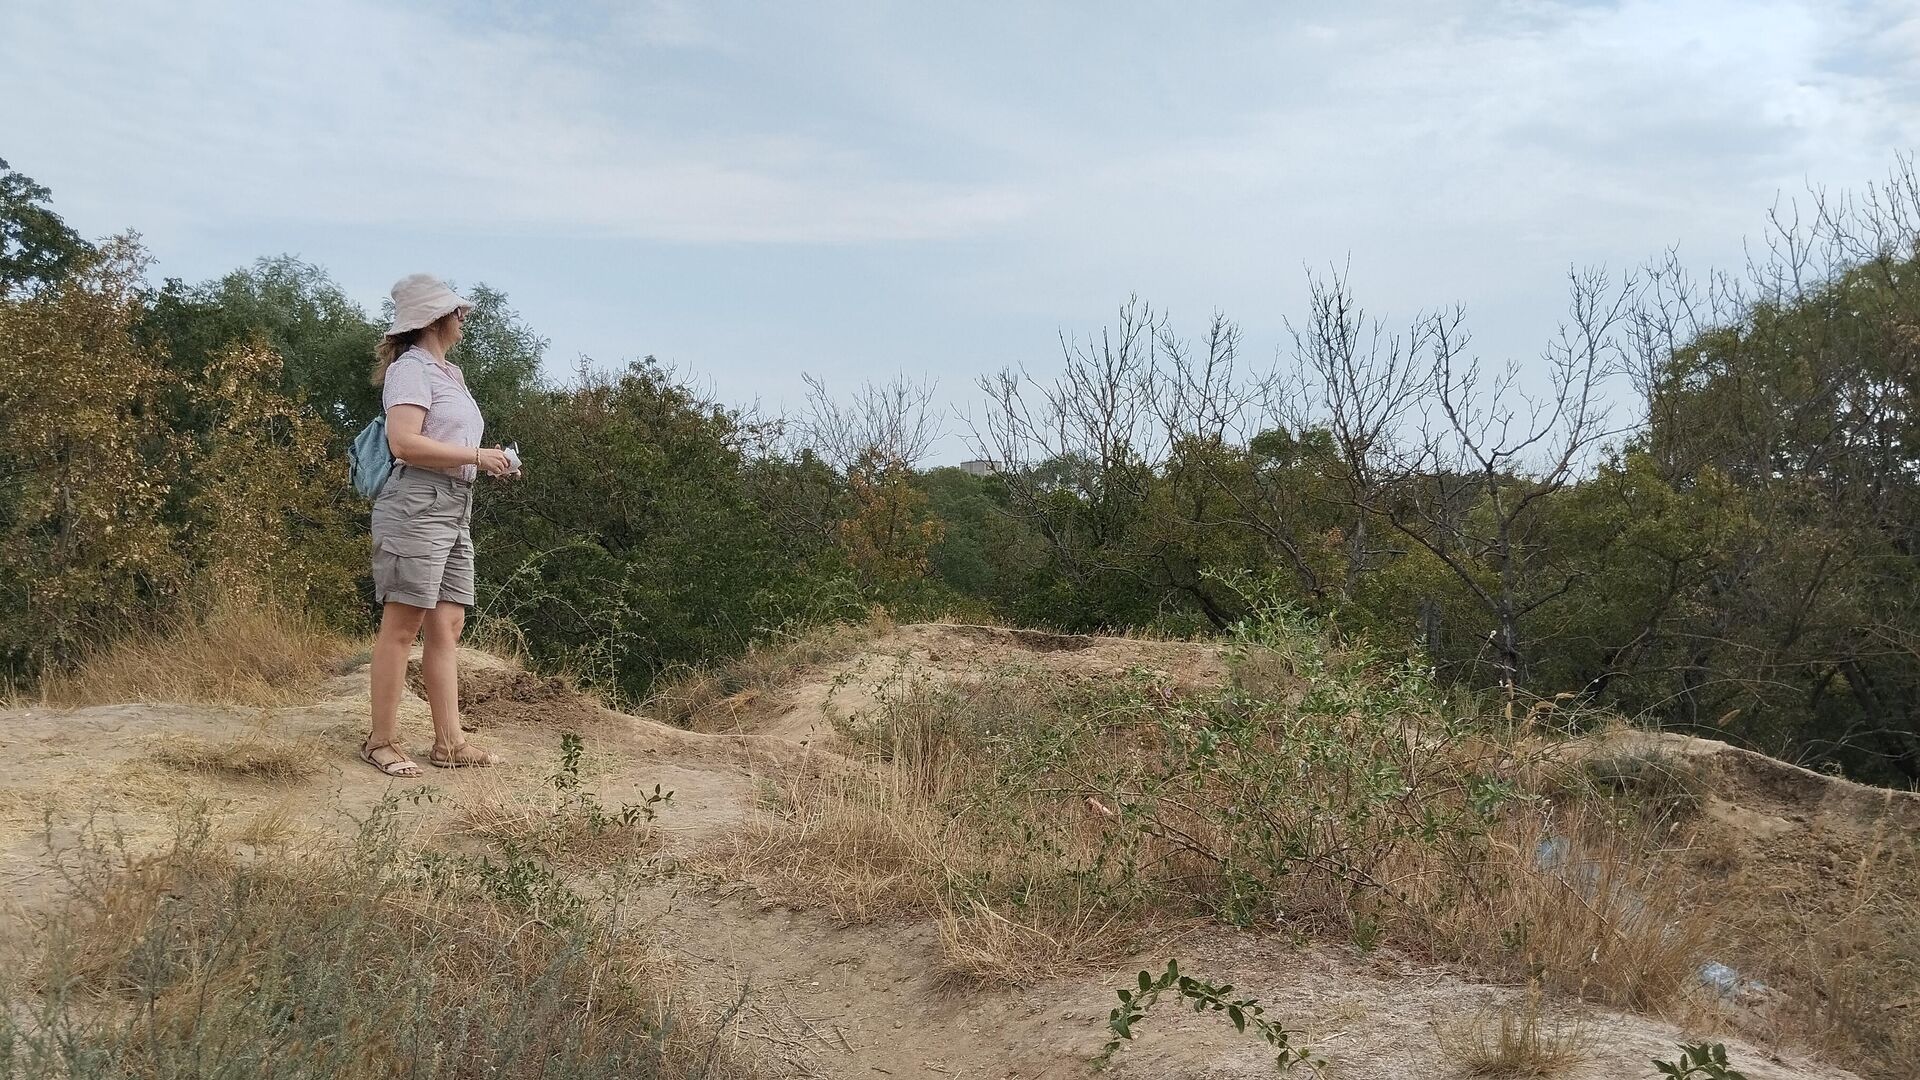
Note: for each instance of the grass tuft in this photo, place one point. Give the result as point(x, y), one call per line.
point(844, 842)
point(229, 654)
point(490, 813)
point(245, 757)
point(1515, 1042)
point(982, 942)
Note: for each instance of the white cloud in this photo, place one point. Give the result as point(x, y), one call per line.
point(1523, 115)
point(1469, 151)
point(367, 115)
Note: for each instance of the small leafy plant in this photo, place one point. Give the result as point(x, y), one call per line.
point(518, 881)
point(1701, 1061)
point(574, 799)
point(1205, 997)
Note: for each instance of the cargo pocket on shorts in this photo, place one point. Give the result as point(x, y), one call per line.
point(408, 569)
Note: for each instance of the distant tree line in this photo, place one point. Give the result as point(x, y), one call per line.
point(1698, 506)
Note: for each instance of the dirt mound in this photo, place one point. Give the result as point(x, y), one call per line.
point(494, 691)
point(1034, 640)
point(1811, 883)
point(1763, 783)
point(816, 699)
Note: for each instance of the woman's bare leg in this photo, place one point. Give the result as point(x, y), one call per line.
point(440, 667)
point(399, 626)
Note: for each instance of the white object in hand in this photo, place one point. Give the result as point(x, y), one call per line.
point(513, 460)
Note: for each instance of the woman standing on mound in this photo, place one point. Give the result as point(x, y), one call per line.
point(422, 542)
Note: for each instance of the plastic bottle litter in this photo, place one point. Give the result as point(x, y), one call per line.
point(1719, 976)
point(1731, 984)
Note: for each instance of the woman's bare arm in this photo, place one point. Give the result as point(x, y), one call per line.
point(404, 438)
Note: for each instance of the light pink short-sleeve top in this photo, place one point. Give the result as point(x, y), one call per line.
point(453, 417)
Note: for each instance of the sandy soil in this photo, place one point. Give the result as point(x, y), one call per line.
point(822, 1000)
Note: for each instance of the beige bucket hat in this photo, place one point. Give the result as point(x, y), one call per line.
point(420, 299)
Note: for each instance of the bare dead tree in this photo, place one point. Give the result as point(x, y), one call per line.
point(1357, 381)
point(1468, 487)
point(1207, 408)
point(1090, 433)
point(1093, 420)
point(891, 425)
point(1200, 394)
point(1210, 416)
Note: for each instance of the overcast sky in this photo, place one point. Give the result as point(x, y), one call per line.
point(753, 191)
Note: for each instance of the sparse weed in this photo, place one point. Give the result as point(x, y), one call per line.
point(518, 882)
point(1700, 1061)
point(573, 825)
point(1242, 1013)
point(1336, 794)
point(576, 800)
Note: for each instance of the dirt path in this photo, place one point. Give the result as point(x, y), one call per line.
point(821, 1000)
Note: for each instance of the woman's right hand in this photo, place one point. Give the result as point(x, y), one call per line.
point(493, 462)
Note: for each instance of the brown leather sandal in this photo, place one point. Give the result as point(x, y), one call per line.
point(401, 767)
point(464, 756)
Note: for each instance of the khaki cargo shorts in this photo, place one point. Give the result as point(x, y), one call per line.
point(422, 539)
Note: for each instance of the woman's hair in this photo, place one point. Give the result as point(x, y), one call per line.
point(389, 350)
point(393, 345)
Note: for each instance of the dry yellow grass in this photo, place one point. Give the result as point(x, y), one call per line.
point(146, 783)
point(233, 653)
point(847, 843)
point(336, 961)
point(1515, 1042)
point(1817, 899)
point(248, 756)
point(988, 943)
point(1576, 898)
point(1829, 914)
point(865, 846)
point(273, 826)
point(1865, 966)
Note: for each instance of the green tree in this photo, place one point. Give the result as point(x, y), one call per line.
point(635, 543)
point(983, 554)
point(268, 517)
point(37, 247)
point(499, 353)
point(84, 457)
point(326, 340)
point(886, 532)
point(1803, 640)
